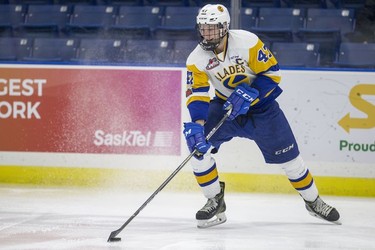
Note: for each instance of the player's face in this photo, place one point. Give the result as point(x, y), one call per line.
point(210, 32)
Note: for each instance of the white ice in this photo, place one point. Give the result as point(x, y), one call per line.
point(62, 218)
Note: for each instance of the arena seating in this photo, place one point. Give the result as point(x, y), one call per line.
point(356, 55)
point(149, 52)
point(11, 17)
point(47, 49)
point(261, 3)
point(135, 22)
point(279, 24)
point(304, 54)
point(14, 48)
point(249, 17)
point(178, 24)
point(90, 21)
point(327, 27)
point(100, 51)
point(165, 29)
point(182, 49)
point(306, 3)
point(45, 20)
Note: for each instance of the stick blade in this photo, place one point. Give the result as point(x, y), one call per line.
point(115, 239)
point(112, 237)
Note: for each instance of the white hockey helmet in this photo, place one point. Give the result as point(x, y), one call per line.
point(214, 18)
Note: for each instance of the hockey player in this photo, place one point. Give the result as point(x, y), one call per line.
point(245, 76)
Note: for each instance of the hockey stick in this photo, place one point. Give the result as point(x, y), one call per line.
point(112, 236)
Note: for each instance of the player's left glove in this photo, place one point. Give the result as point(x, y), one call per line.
point(241, 98)
point(195, 139)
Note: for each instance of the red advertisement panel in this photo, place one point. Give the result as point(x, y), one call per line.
point(90, 110)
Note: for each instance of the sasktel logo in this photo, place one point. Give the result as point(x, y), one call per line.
point(355, 96)
point(133, 138)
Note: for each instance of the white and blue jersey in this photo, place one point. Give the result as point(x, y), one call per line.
point(245, 59)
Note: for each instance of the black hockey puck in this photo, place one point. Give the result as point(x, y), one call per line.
point(114, 239)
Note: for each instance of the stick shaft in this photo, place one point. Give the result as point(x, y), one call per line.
point(212, 132)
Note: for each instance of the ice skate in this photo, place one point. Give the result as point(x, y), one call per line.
point(320, 209)
point(212, 213)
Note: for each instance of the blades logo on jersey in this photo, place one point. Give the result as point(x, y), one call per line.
point(233, 80)
point(230, 70)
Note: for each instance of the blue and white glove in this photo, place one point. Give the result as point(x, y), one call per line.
point(241, 98)
point(195, 139)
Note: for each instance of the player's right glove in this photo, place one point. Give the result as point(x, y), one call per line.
point(195, 139)
point(241, 98)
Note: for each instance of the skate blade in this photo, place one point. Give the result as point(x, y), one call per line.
point(216, 220)
point(338, 222)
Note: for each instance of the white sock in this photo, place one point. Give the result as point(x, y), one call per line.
point(300, 178)
point(205, 172)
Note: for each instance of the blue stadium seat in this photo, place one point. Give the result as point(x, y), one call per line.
point(279, 24)
point(349, 4)
point(136, 22)
point(305, 3)
point(356, 55)
point(178, 24)
point(296, 54)
point(327, 27)
point(261, 3)
point(182, 49)
point(249, 17)
point(16, 48)
point(53, 50)
point(27, 2)
point(167, 2)
point(125, 2)
point(342, 20)
point(202, 3)
point(90, 20)
point(149, 52)
point(100, 51)
point(79, 2)
point(328, 45)
point(11, 17)
point(283, 18)
point(45, 20)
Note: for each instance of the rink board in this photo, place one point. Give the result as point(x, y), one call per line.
point(91, 125)
point(150, 180)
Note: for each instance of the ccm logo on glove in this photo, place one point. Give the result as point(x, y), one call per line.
point(241, 98)
point(245, 95)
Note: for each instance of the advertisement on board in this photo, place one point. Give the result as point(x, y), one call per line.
point(90, 110)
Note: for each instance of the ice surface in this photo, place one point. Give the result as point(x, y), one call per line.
point(67, 218)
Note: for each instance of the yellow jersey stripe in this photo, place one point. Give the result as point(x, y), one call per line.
point(260, 58)
point(194, 98)
point(218, 94)
point(200, 77)
point(275, 78)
